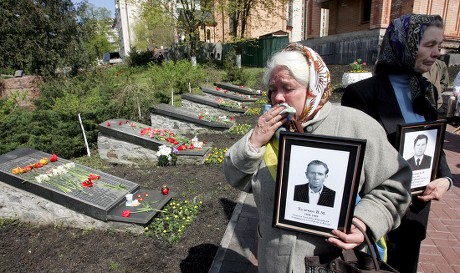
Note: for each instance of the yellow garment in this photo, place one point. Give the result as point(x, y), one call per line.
point(271, 156)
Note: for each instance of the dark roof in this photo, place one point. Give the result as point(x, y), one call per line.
point(278, 33)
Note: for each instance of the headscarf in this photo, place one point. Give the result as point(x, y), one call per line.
point(318, 93)
point(319, 85)
point(398, 53)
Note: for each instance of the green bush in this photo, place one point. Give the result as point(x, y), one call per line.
point(139, 58)
point(174, 77)
point(234, 74)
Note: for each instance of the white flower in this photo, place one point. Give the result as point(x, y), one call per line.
point(42, 177)
point(196, 143)
point(164, 150)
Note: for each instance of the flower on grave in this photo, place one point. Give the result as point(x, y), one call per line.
point(108, 123)
point(53, 158)
point(120, 123)
point(87, 183)
point(44, 161)
point(166, 155)
point(196, 143)
point(358, 66)
point(126, 213)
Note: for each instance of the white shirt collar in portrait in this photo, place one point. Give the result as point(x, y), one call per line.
point(313, 197)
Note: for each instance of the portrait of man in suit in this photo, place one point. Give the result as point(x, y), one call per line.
point(314, 192)
point(420, 160)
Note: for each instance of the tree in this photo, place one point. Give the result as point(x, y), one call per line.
point(155, 26)
point(241, 10)
point(97, 27)
point(39, 36)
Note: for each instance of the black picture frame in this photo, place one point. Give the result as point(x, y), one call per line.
point(407, 134)
point(344, 160)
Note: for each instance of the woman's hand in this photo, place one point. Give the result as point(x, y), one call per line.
point(266, 126)
point(348, 241)
point(435, 190)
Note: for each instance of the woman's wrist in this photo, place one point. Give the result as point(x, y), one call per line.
point(451, 182)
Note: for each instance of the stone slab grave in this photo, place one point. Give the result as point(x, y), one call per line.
point(62, 182)
point(228, 94)
point(219, 103)
point(127, 142)
point(239, 89)
point(184, 121)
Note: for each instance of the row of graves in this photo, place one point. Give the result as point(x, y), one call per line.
point(105, 197)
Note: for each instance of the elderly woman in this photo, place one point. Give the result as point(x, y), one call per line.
point(298, 77)
point(398, 94)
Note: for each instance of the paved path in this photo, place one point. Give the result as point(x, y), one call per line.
point(440, 251)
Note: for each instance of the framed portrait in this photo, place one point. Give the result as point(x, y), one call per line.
point(421, 144)
point(317, 182)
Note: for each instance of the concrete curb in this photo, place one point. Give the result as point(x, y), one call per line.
point(220, 255)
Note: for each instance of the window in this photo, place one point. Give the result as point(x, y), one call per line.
point(366, 12)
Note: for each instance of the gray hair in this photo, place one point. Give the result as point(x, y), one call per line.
point(294, 61)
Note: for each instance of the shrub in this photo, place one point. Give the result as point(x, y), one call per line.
point(174, 77)
point(139, 58)
point(234, 74)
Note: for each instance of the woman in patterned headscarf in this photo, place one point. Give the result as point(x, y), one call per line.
point(398, 94)
point(298, 77)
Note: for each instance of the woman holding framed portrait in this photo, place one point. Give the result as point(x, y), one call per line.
point(298, 77)
point(399, 95)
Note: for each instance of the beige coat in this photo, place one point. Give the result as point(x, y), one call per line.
point(384, 188)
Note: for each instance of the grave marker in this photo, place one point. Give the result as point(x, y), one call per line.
point(129, 131)
point(216, 103)
point(239, 89)
point(104, 200)
point(189, 116)
point(228, 94)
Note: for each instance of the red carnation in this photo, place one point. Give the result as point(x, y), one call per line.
point(53, 158)
point(93, 177)
point(87, 183)
point(126, 213)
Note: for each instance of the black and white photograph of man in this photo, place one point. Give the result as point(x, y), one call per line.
point(315, 192)
point(420, 160)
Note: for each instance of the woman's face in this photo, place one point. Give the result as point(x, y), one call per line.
point(285, 89)
point(428, 50)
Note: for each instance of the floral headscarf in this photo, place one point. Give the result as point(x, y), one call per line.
point(399, 52)
point(319, 82)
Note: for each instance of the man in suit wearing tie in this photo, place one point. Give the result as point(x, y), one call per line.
point(420, 160)
point(314, 192)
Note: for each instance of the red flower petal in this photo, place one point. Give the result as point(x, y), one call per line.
point(120, 123)
point(53, 158)
point(87, 183)
point(94, 177)
point(108, 123)
point(126, 213)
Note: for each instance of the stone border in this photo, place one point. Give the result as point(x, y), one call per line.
point(212, 102)
point(226, 95)
point(185, 115)
point(236, 88)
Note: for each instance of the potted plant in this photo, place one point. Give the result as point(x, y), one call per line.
point(357, 73)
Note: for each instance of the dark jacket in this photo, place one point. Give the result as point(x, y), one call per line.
point(424, 164)
point(374, 97)
point(326, 198)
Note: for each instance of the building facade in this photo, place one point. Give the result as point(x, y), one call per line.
point(355, 28)
point(340, 30)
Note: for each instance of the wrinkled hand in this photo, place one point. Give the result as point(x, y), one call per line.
point(348, 241)
point(266, 126)
point(435, 190)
